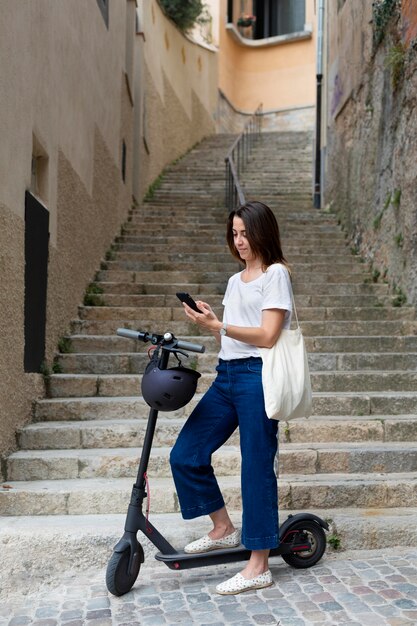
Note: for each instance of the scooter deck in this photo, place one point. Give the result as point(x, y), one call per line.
point(184, 560)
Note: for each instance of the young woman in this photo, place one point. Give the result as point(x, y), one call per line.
point(257, 305)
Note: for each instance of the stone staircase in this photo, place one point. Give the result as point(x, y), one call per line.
point(354, 461)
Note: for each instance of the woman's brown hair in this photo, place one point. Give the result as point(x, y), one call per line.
point(262, 233)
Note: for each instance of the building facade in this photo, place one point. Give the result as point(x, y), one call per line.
point(96, 97)
point(267, 55)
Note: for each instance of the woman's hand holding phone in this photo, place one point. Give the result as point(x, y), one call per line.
point(199, 312)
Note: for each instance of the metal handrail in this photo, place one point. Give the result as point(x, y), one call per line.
point(238, 156)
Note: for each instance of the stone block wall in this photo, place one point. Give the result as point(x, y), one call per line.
point(371, 168)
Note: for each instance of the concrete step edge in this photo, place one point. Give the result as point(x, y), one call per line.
point(85, 543)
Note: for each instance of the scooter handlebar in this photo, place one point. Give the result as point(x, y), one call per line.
point(145, 336)
point(192, 347)
point(132, 334)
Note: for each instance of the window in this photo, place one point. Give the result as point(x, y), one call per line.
point(103, 5)
point(278, 17)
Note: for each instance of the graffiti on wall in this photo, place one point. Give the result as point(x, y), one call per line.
point(337, 95)
point(408, 20)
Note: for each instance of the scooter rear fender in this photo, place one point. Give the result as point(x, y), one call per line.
point(299, 517)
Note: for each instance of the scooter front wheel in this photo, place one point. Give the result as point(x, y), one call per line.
point(119, 579)
point(305, 531)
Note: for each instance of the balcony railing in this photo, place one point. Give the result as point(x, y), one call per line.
point(237, 158)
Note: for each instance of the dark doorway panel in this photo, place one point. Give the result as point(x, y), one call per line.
point(36, 280)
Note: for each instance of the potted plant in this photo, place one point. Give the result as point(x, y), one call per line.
point(246, 20)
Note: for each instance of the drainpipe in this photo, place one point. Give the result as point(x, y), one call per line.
point(319, 76)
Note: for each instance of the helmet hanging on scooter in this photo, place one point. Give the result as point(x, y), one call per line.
point(170, 389)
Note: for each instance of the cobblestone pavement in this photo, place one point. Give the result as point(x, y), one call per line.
point(356, 588)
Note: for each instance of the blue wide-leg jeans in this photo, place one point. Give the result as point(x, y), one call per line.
point(235, 399)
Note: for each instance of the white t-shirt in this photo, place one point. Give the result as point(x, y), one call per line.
point(244, 303)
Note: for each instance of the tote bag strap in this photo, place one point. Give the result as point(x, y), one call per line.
point(292, 298)
point(295, 310)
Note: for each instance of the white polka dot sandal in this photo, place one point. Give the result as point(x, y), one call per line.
point(238, 583)
point(205, 544)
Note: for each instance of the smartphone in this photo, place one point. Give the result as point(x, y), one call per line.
point(185, 297)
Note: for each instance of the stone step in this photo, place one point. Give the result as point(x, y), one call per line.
point(197, 271)
point(101, 496)
point(364, 381)
point(215, 300)
point(295, 237)
point(321, 366)
point(130, 433)
point(195, 245)
point(302, 210)
point(218, 242)
point(104, 320)
point(362, 343)
point(108, 407)
point(308, 458)
point(300, 263)
point(128, 285)
point(151, 223)
point(327, 383)
point(127, 306)
point(72, 541)
point(361, 350)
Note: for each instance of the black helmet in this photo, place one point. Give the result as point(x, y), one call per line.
point(170, 389)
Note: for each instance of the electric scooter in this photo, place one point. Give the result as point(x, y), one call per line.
point(302, 536)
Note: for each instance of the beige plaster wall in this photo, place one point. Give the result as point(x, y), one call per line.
point(230, 120)
point(16, 388)
point(281, 76)
point(176, 96)
point(371, 154)
point(62, 81)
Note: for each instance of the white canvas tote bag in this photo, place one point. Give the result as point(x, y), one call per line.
point(286, 376)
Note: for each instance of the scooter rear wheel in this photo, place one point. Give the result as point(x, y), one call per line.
point(315, 534)
point(118, 580)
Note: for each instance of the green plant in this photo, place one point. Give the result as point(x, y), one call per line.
point(45, 371)
point(399, 240)
point(110, 254)
point(400, 297)
point(287, 433)
point(153, 187)
point(377, 220)
point(375, 275)
point(64, 345)
point(387, 201)
point(184, 14)
point(396, 198)
point(395, 61)
point(246, 20)
point(369, 108)
point(57, 367)
point(334, 542)
point(354, 250)
point(92, 296)
point(382, 12)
